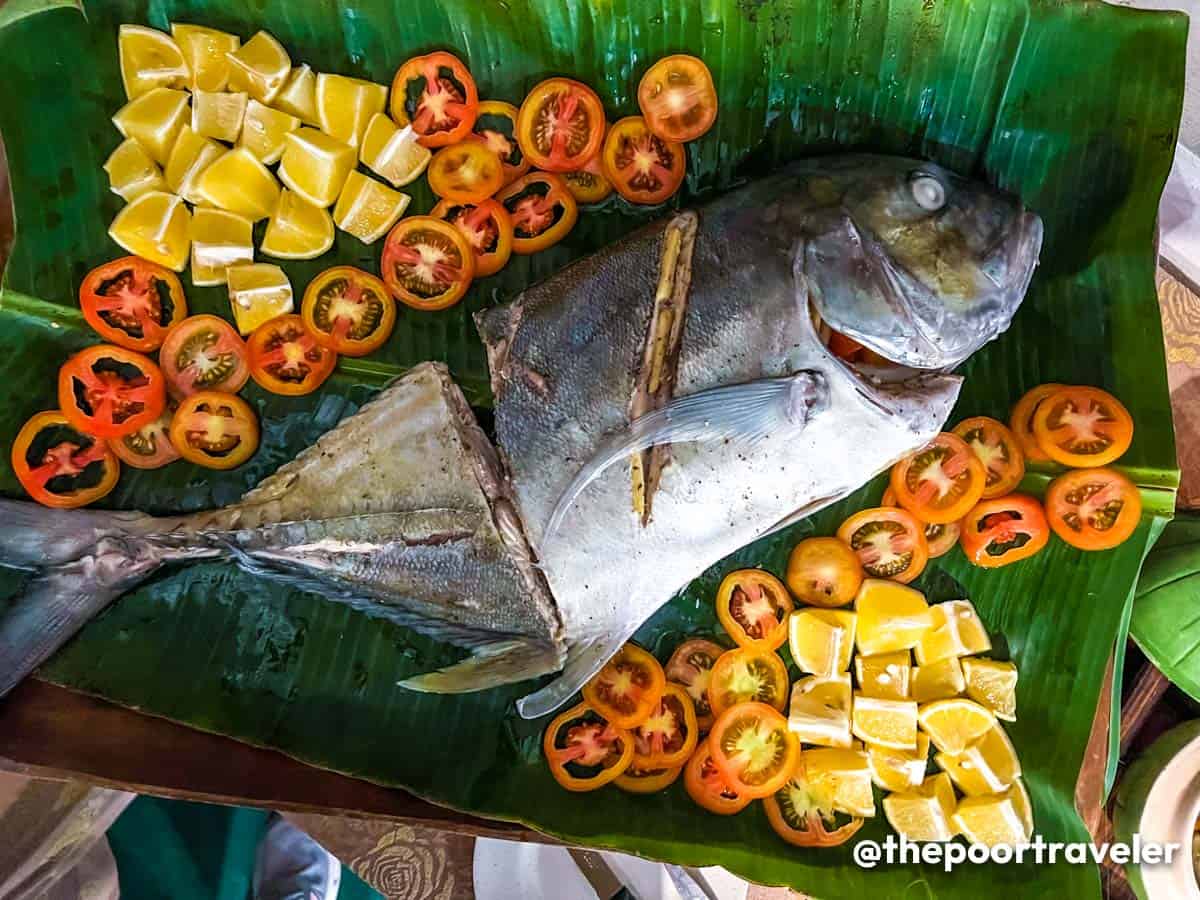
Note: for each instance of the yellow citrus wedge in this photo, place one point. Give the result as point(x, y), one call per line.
point(315, 165)
point(368, 209)
point(131, 171)
point(899, 770)
point(992, 684)
point(987, 766)
point(955, 630)
point(820, 710)
point(953, 725)
point(220, 239)
point(991, 819)
point(885, 675)
point(260, 67)
point(297, 229)
point(239, 183)
point(264, 131)
point(1020, 799)
point(345, 106)
point(925, 813)
point(938, 681)
point(885, 723)
point(891, 616)
point(821, 640)
point(149, 59)
point(299, 95)
point(154, 120)
point(843, 777)
point(204, 50)
point(393, 153)
point(190, 156)
point(219, 114)
point(156, 227)
point(258, 292)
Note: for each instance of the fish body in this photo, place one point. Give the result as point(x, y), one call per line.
point(659, 405)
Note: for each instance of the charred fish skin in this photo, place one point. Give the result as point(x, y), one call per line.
point(564, 355)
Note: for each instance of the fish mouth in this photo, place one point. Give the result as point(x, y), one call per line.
point(866, 365)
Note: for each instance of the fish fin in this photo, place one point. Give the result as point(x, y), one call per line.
point(34, 536)
point(745, 413)
point(584, 660)
point(491, 665)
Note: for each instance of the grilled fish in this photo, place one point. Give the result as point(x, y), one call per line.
point(659, 404)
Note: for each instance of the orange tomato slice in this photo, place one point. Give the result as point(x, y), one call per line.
point(286, 358)
point(643, 167)
point(941, 481)
point(131, 302)
point(628, 688)
point(467, 172)
point(890, 543)
point(1082, 427)
point(1093, 509)
point(585, 750)
point(998, 450)
point(437, 95)
point(677, 97)
point(109, 392)
point(496, 128)
point(59, 465)
point(709, 789)
point(796, 815)
point(349, 311)
point(427, 263)
point(940, 538)
point(1021, 420)
point(487, 228)
point(669, 735)
point(747, 674)
point(753, 749)
point(1003, 530)
point(214, 430)
point(824, 571)
point(560, 125)
point(753, 607)
point(649, 781)
point(690, 666)
point(542, 210)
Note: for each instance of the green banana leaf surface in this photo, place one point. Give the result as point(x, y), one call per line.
point(1072, 105)
point(1166, 611)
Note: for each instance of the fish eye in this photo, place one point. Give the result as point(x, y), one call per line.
point(928, 192)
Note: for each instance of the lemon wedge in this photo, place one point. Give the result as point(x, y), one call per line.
point(953, 725)
point(885, 723)
point(899, 770)
point(315, 165)
point(393, 153)
point(368, 209)
point(820, 710)
point(987, 766)
point(190, 156)
point(131, 171)
point(345, 106)
point(264, 130)
point(992, 684)
point(1020, 799)
point(938, 681)
point(299, 95)
point(991, 819)
point(220, 239)
point(258, 292)
point(821, 640)
point(884, 675)
point(891, 616)
point(156, 227)
point(204, 50)
point(153, 120)
point(149, 59)
point(954, 630)
point(218, 114)
point(925, 813)
point(259, 67)
point(841, 776)
point(297, 229)
point(238, 182)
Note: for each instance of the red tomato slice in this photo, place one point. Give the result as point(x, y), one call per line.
point(1082, 427)
point(753, 607)
point(677, 98)
point(286, 359)
point(427, 263)
point(203, 353)
point(709, 789)
point(585, 750)
point(60, 466)
point(108, 391)
point(131, 302)
point(691, 666)
point(997, 448)
point(753, 748)
point(542, 210)
point(349, 311)
point(890, 543)
point(941, 481)
point(1004, 530)
point(487, 228)
point(1093, 509)
point(628, 688)
point(437, 95)
point(560, 125)
point(940, 539)
point(643, 167)
point(747, 674)
point(150, 446)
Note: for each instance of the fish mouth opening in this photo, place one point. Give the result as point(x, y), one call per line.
point(866, 365)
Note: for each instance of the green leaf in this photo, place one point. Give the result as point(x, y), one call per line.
point(1166, 612)
point(1072, 105)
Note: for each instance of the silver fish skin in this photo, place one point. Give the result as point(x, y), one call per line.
point(765, 424)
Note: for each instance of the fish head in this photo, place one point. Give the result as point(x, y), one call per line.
point(917, 264)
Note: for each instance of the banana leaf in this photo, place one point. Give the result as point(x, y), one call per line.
point(1166, 611)
point(1072, 105)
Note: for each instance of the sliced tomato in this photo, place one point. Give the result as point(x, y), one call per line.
point(669, 734)
point(708, 787)
point(285, 357)
point(747, 674)
point(678, 98)
point(753, 748)
point(349, 311)
point(1021, 420)
point(997, 448)
point(823, 571)
point(1082, 427)
point(560, 125)
point(496, 128)
point(487, 228)
point(203, 353)
point(109, 391)
point(940, 539)
point(753, 607)
point(647, 781)
point(628, 688)
point(589, 184)
point(1004, 530)
point(131, 302)
point(150, 446)
point(803, 818)
point(585, 750)
point(890, 543)
point(542, 210)
point(427, 263)
point(643, 167)
point(941, 481)
point(691, 667)
point(437, 96)
point(466, 172)
point(215, 430)
point(61, 466)
point(1093, 509)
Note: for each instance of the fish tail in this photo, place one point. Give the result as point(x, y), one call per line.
point(490, 665)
